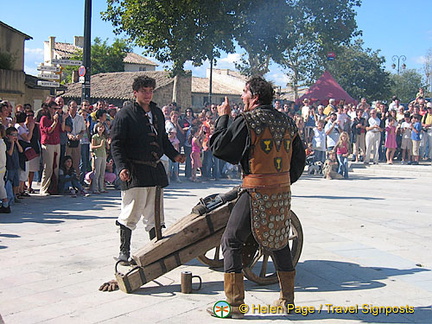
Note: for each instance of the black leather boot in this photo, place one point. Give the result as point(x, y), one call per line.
point(125, 240)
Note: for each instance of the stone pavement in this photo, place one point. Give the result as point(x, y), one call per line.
point(367, 242)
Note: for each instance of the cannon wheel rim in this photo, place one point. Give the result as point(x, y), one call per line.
point(213, 257)
point(257, 271)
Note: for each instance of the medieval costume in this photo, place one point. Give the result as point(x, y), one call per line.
point(266, 144)
point(138, 141)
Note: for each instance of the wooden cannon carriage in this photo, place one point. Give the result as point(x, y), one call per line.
point(198, 235)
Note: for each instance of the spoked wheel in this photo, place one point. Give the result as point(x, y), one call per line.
point(261, 268)
point(213, 258)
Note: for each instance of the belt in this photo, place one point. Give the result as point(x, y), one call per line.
point(149, 163)
point(270, 180)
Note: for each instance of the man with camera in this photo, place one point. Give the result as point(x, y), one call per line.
point(50, 127)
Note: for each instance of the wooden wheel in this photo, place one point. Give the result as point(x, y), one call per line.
point(261, 269)
point(213, 258)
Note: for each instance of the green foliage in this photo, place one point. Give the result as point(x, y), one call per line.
point(198, 30)
point(107, 58)
point(406, 85)
point(361, 72)
point(315, 28)
point(7, 61)
point(173, 31)
point(261, 29)
point(104, 58)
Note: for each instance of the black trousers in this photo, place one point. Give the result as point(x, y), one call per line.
point(236, 233)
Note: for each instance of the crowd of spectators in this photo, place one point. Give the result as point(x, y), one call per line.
point(63, 147)
point(374, 132)
point(67, 147)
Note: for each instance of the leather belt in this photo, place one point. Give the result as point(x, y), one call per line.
point(271, 180)
point(149, 163)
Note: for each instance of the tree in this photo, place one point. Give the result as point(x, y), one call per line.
point(428, 72)
point(7, 61)
point(198, 30)
point(104, 58)
point(260, 29)
point(297, 34)
point(406, 85)
point(361, 72)
point(195, 30)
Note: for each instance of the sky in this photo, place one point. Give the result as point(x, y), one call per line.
point(395, 27)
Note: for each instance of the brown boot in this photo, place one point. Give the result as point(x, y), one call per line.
point(234, 292)
point(286, 283)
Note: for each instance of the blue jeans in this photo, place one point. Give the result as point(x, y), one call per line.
point(207, 163)
point(85, 161)
point(343, 165)
point(320, 156)
point(174, 170)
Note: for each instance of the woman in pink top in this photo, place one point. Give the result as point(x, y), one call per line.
point(390, 142)
point(342, 149)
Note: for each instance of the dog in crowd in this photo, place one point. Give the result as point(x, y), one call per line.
point(315, 168)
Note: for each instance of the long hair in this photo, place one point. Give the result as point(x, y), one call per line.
point(339, 142)
point(99, 124)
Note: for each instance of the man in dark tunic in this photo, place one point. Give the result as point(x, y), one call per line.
point(266, 144)
point(138, 141)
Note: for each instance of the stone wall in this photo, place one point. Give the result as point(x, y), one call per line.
point(13, 43)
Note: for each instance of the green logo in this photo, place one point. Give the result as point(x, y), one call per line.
point(221, 309)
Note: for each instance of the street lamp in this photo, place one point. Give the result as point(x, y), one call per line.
point(398, 59)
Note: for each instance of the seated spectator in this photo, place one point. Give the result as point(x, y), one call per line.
point(68, 179)
point(330, 167)
point(110, 176)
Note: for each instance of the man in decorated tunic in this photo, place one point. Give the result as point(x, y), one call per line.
point(266, 144)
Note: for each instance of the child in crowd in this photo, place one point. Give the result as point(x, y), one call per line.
point(330, 167)
point(197, 140)
point(310, 154)
point(319, 141)
point(13, 148)
point(390, 140)
point(415, 137)
point(68, 180)
point(342, 148)
point(99, 145)
point(173, 173)
point(406, 144)
point(5, 208)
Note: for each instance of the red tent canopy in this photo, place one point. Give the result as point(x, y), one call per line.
point(325, 88)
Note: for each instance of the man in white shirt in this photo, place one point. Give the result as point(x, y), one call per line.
point(73, 147)
point(395, 104)
point(373, 137)
point(332, 131)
